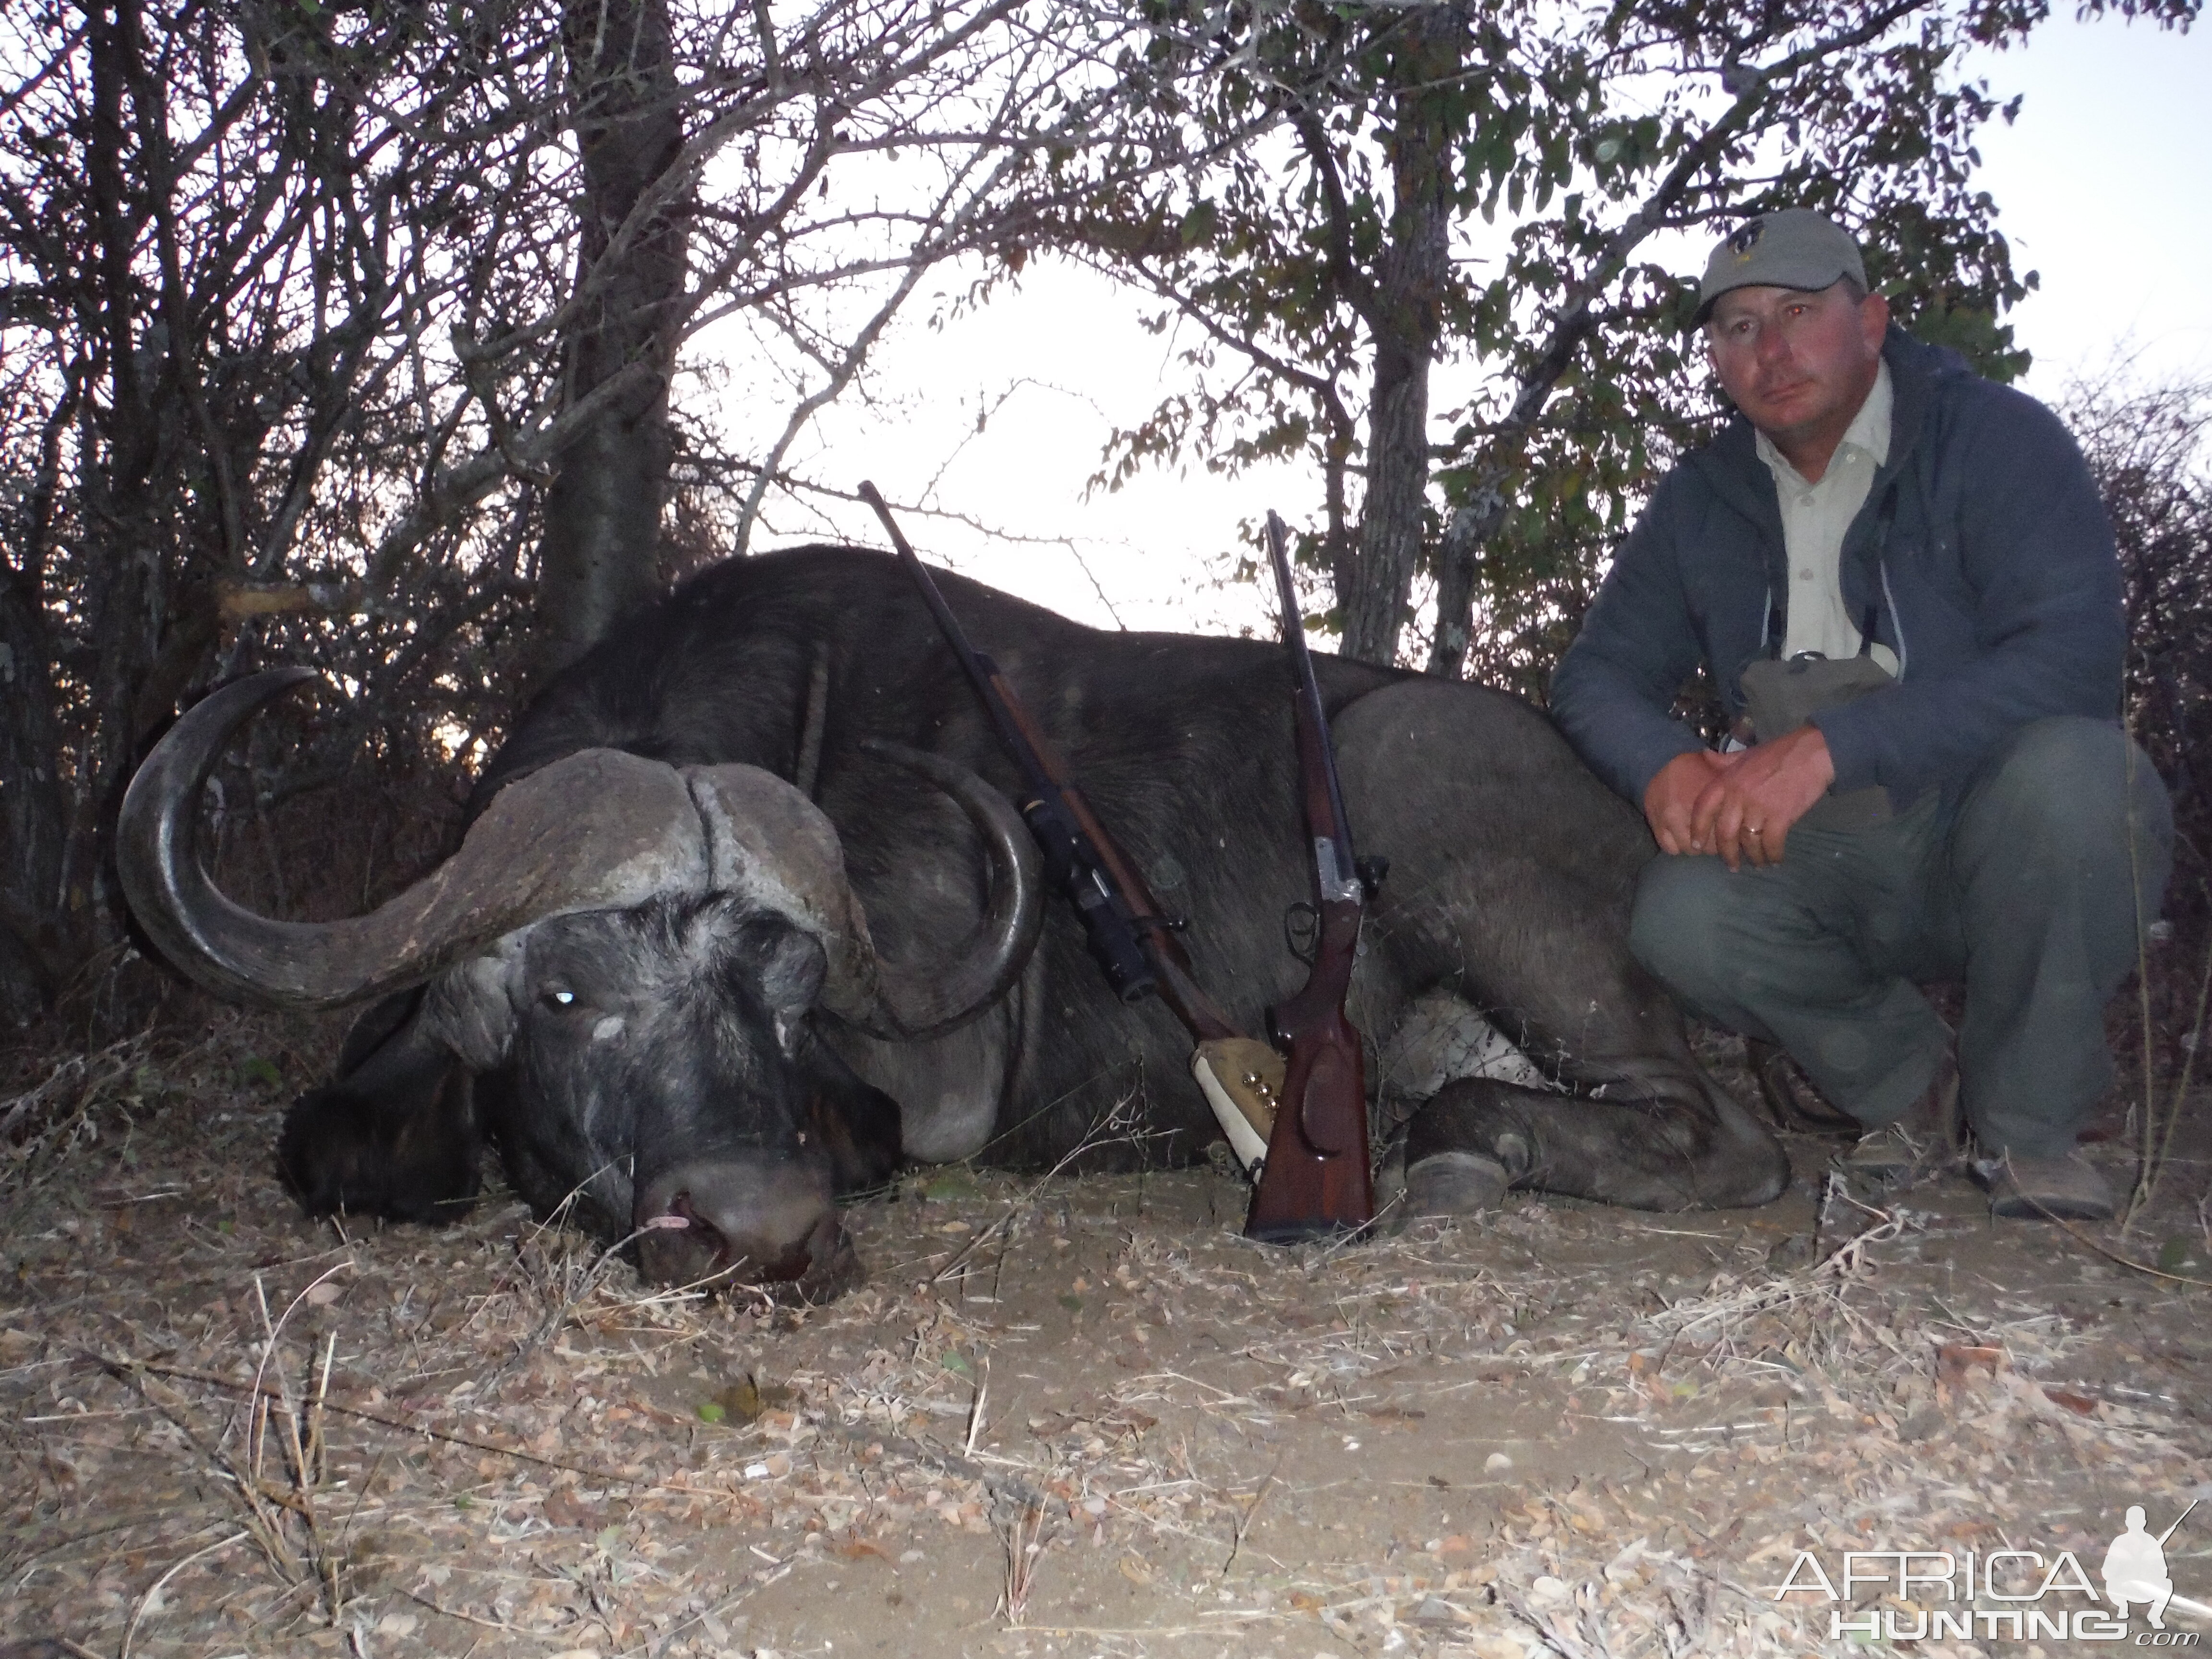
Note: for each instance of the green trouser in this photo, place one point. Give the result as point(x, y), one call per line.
point(2031, 886)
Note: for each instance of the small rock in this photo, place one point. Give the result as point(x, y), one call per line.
point(1497, 1463)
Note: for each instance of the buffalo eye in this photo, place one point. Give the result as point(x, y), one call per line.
point(559, 998)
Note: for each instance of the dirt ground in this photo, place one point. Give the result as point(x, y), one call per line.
point(1067, 1417)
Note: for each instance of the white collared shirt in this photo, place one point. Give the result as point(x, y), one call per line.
point(1814, 517)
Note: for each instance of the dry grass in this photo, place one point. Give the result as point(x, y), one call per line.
point(2160, 1116)
point(1080, 1412)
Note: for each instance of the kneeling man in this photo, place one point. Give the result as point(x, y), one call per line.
point(1902, 582)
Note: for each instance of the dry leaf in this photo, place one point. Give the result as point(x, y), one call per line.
point(1955, 1362)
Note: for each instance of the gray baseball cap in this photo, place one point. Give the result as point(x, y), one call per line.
point(1795, 247)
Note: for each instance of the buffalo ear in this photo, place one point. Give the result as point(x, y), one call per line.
point(790, 966)
point(469, 1008)
point(395, 1132)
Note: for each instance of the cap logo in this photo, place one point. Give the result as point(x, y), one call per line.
point(1745, 237)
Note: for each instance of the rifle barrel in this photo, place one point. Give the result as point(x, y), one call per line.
point(981, 671)
point(2178, 1520)
point(1309, 689)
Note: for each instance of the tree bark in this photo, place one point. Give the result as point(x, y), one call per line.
point(36, 955)
point(1459, 564)
point(137, 432)
point(1404, 315)
point(602, 511)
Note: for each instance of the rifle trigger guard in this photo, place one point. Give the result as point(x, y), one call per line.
point(1302, 931)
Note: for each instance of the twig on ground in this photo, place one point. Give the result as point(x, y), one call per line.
point(1115, 1127)
point(1244, 1523)
point(975, 1411)
point(154, 1589)
point(2157, 1140)
point(129, 1370)
point(1024, 1538)
point(2113, 1255)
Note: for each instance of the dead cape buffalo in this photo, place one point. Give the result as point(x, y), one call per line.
point(743, 917)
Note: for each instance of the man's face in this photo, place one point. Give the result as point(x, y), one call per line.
point(1798, 364)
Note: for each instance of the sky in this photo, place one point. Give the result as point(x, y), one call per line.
point(2104, 186)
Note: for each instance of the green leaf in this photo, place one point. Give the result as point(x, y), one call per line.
point(710, 1411)
point(254, 1069)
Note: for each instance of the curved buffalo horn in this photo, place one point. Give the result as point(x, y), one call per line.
point(771, 843)
point(1013, 915)
point(598, 830)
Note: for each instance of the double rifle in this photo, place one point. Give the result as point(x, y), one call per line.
point(1295, 1113)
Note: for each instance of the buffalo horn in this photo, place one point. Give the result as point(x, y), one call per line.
point(770, 843)
point(600, 829)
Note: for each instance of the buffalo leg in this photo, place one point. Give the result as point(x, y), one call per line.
point(1527, 865)
point(1679, 1150)
point(1640, 1124)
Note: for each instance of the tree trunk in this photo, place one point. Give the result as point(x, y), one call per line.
point(602, 511)
point(36, 954)
point(128, 504)
point(1459, 562)
point(1404, 315)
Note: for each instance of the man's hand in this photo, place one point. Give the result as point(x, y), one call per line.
point(1703, 802)
point(1671, 799)
point(1746, 812)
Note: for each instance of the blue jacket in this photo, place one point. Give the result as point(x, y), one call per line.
point(1994, 581)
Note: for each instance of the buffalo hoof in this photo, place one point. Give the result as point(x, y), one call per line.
point(1453, 1183)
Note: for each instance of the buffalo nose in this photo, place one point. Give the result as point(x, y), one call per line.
point(756, 1221)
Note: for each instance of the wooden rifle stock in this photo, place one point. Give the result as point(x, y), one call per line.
point(1316, 1181)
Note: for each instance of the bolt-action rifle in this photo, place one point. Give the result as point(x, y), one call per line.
point(1317, 1180)
point(1130, 936)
